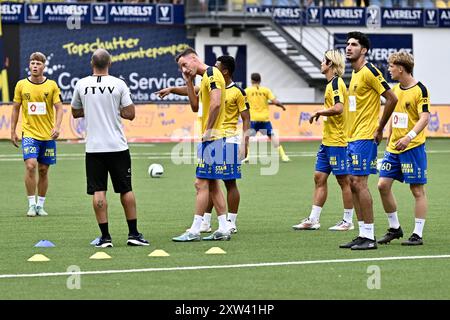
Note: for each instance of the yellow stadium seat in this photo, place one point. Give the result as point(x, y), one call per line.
point(441, 4)
point(238, 5)
point(348, 3)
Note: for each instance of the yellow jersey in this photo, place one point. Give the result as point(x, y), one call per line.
point(411, 103)
point(365, 89)
point(212, 79)
point(334, 134)
point(37, 101)
point(235, 103)
point(258, 98)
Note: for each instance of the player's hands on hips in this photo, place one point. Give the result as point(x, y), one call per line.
point(55, 133)
point(163, 92)
point(378, 136)
point(15, 139)
point(315, 116)
point(402, 143)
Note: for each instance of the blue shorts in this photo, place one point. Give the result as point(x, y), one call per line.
point(409, 167)
point(218, 160)
point(332, 159)
point(43, 151)
point(264, 126)
point(362, 157)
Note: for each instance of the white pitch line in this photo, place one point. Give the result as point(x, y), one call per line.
point(229, 266)
point(168, 155)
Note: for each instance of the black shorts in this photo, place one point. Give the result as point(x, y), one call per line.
point(118, 164)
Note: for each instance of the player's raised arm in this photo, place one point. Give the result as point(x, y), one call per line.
point(191, 91)
point(181, 91)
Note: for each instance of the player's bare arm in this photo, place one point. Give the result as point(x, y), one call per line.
point(181, 91)
point(389, 106)
point(191, 92)
point(337, 109)
point(214, 109)
point(278, 104)
point(14, 119)
point(424, 118)
point(129, 112)
point(243, 150)
point(58, 120)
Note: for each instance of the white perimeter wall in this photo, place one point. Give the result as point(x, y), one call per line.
point(431, 49)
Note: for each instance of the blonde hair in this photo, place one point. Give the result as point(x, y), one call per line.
point(404, 59)
point(338, 61)
point(38, 56)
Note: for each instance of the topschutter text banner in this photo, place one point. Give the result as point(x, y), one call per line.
point(372, 16)
point(172, 122)
point(142, 56)
point(92, 13)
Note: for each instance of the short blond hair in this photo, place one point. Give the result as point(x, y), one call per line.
point(338, 61)
point(404, 59)
point(38, 56)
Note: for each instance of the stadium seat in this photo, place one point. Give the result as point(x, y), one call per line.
point(348, 3)
point(428, 4)
point(404, 4)
point(441, 4)
point(388, 4)
point(238, 5)
point(375, 3)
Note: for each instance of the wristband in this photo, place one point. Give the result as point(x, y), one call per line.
point(412, 134)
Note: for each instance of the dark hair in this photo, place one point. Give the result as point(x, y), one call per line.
point(256, 77)
point(362, 38)
point(228, 62)
point(184, 53)
point(101, 59)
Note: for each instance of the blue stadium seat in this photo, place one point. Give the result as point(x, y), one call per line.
point(387, 4)
point(425, 4)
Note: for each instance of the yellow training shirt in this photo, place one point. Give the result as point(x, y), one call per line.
point(365, 89)
point(258, 98)
point(236, 102)
point(334, 134)
point(411, 103)
point(37, 101)
point(212, 79)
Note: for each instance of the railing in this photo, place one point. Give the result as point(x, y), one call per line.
point(213, 6)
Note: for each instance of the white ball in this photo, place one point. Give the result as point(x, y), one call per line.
point(155, 170)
